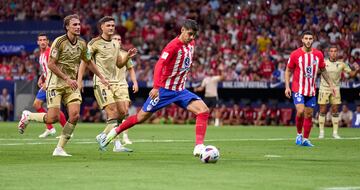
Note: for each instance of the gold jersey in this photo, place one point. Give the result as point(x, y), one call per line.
point(105, 54)
point(67, 57)
point(121, 73)
point(334, 69)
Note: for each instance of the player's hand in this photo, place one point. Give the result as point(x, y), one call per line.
point(288, 92)
point(154, 93)
point(104, 82)
point(333, 91)
point(132, 52)
point(135, 87)
point(43, 86)
point(72, 83)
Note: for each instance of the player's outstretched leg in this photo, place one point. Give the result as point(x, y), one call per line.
point(106, 139)
point(24, 121)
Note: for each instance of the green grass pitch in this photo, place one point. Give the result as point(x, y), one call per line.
point(251, 158)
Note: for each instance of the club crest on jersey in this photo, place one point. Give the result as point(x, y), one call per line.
point(187, 62)
point(314, 62)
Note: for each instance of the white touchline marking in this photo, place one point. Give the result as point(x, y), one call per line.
point(272, 156)
point(91, 141)
point(341, 188)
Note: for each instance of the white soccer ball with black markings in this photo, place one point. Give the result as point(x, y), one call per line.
point(210, 154)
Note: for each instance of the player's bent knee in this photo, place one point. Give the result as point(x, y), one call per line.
point(52, 118)
point(73, 118)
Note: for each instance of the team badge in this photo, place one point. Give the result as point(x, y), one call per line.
point(54, 53)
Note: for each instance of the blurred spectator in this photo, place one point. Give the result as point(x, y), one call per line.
point(356, 118)
point(5, 105)
point(345, 117)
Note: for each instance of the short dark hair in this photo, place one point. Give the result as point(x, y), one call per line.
point(191, 24)
point(307, 32)
point(68, 18)
point(333, 46)
point(103, 20)
point(42, 34)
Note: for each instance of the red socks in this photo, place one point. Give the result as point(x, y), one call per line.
point(307, 127)
point(62, 119)
point(128, 123)
point(42, 110)
point(200, 127)
point(299, 121)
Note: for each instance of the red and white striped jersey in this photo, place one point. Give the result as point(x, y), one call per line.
point(305, 67)
point(173, 66)
point(43, 61)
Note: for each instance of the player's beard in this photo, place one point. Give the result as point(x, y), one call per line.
point(307, 45)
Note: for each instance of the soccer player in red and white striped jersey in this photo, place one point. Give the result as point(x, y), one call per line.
point(170, 74)
point(304, 63)
point(43, 43)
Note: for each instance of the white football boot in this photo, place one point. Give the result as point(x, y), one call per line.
point(47, 133)
point(24, 121)
point(60, 152)
point(198, 149)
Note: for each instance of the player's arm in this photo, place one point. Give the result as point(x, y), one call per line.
point(55, 69)
point(166, 55)
point(288, 72)
point(41, 82)
point(86, 57)
point(133, 79)
point(81, 73)
point(123, 60)
point(93, 68)
point(201, 87)
point(326, 76)
point(353, 73)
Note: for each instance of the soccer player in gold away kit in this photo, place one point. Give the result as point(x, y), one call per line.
point(334, 68)
point(121, 72)
point(66, 53)
point(114, 99)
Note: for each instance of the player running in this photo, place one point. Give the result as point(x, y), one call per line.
point(66, 53)
point(170, 75)
point(334, 67)
point(305, 62)
point(43, 43)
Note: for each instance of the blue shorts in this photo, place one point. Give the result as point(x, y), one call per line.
point(308, 101)
point(166, 97)
point(41, 95)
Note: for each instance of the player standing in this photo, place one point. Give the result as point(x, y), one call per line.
point(124, 105)
point(305, 62)
point(334, 67)
point(66, 53)
point(43, 43)
point(113, 98)
point(170, 75)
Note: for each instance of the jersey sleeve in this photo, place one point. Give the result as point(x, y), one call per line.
point(291, 62)
point(85, 56)
point(55, 49)
point(165, 57)
point(129, 64)
point(91, 50)
point(321, 61)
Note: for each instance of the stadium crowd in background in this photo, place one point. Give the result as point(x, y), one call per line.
point(228, 31)
point(247, 40)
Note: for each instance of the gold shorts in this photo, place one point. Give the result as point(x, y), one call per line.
point(105, 96)
point(326, 97)
point(54, 97)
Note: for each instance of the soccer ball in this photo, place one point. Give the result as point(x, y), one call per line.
point(210, 154)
